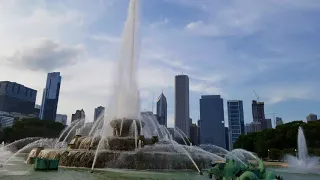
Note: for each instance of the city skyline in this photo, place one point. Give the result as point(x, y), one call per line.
point(232, 60)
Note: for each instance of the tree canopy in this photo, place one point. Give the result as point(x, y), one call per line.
point(31, 128)
point(281, 140)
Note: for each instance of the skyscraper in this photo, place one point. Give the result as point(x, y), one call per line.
point(62, 118)
point(212, 130)
point(279, 121)
point(162, 110)
point(266, 124)
point(194, 134)
point(17, 98)
point(257, 111)
point(312, 117)
point(50, 97)
point(235, 120)
point(226, 130)
point(181, 104)
point(97, 112)
point(78, 115)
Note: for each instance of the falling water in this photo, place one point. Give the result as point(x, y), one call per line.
point(302, 146)
point(47, 143)
point(176, 131)
point(184, 135)
point(73, 128)
point(175, 145)
point(303, 162)
point(126, 95)
point(121, 126)
point(97, 123)
point(135, 133)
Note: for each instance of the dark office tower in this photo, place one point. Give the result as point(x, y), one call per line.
point(181, 104)
point(266, 124)
point(236, 120)
point(194, 134)
point(257, 111)
point(17, 98)
point(78, 115)
point(227, 138)
point(162, 110)
point(97, 112)
point(199, 132)
point(212, 130)
point(50, 97)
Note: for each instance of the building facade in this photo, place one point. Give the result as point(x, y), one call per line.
point(162, 110)
point(253, 127)
point(62, 118)
point(235, 120)
point(212, 130)
point(17, 98)
point(194, 134)
point(279, 121)
point(227, 138)
point(312, 117)
point(257, 111)
point(80, 114)
point(99, 111)
point(181, 104)
point(266, 124)
point(50, 97)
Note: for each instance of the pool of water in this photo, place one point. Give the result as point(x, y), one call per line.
point(18, 170)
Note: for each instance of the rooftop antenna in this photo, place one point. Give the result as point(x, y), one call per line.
point(257, 96)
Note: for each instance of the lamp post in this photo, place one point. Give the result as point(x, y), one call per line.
point(268, 155)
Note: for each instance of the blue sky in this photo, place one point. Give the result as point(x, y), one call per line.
point(226, 47)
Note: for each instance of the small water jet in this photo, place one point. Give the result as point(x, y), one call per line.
point(303, 163)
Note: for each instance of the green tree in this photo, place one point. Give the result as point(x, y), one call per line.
point(281, 140)
point(31, 128)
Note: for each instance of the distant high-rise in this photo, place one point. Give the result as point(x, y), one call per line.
point(312, 117)
point(194, 134)
point(162, 110)
point(279, 121)
point(266, 124)
point(253, 127)
point(17, 98)
point(78, 115)
point(181, 104)
point(257, 111)
point(227, 138)
point(212, 130)
point(50, 97)
point(236, 120)
point(62, 118)
point(98, 111)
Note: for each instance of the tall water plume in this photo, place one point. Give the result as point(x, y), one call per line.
point(302, 162)
point(124, 102)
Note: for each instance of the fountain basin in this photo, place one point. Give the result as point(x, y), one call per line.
point(138, 160)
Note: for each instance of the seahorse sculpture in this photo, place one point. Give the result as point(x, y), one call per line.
point(235, 170)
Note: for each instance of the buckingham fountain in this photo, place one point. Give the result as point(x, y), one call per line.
point(125, 138)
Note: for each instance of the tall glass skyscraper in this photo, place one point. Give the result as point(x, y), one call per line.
point(181, 104)
point(50, 97)
point(212, 130)
point(162, 110)
point(236, 120)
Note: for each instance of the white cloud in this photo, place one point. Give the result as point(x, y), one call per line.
point(47, 55)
